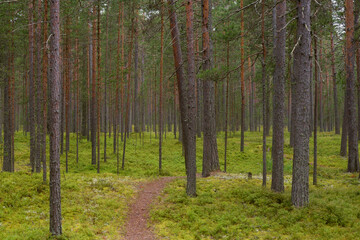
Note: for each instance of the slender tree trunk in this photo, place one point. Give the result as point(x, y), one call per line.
point(161, 84)
point(45, 79)
point(277, 183)
point(122, 74)
point(31, 86)
point(227, 102)
point(93, 92)
point(242, 62)
point(77, 112)
point(210, 151)
point(336, 113)
point(106, 82)
point(300, 180)
point(67, 89)
point(98, 96)
point(344, 134)
point(175, 108)
point(316, 110)
point(353, 157)
point(358, 85)
point(55, 99)
point(263, 90)
point(38, 88)
point(135, 116)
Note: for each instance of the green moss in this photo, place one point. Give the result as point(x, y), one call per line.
point(228, 206)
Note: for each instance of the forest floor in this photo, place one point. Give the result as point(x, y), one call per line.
point(228, 206)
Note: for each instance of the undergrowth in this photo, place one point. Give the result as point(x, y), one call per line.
point(228, 206)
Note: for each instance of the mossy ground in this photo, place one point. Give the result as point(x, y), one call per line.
point(228, 206)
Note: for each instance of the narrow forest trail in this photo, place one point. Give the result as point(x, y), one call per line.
point(136, 225)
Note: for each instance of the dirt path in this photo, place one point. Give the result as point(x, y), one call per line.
point(136, 226)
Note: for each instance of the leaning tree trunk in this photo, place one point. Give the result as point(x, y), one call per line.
point(300, 180)
point(187, 122)
point(210, 151)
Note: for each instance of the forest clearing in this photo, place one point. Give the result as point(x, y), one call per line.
point(179, 119)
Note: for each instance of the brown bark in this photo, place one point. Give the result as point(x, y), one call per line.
point(227, 103)
point(55, 89)
point(31, 87)
point(336, 112)
point(38, 88)
point(263, 90)
point(277, 183)
point(210, 151)
point(77, 111)
point(187, 106)
point(300, 180)
point(191, 104)
point(67, 90)
point(161, 85)
point(44, 94)
point(93, 108)
point(242, 79)
point(316, 93)
point(98, 90)
point(353, 157)
point(117, 107)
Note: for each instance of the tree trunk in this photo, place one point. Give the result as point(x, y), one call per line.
point(353, 157)
point(191, 114)
point(344, 134)
point(187, 100)
point(210, 151)
point(227, 102)
point(300, 180)
point(263, 90)
point(67, 89)
point(161, 84)
point(93, 92)
point(98, 92)
point(55, 99)
point(31, 87)
point(106, 118)
point(242, 62)
point(38, 88)
point(44, 100)
point(316, 110)
point(336, 113)
point(277, 183)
